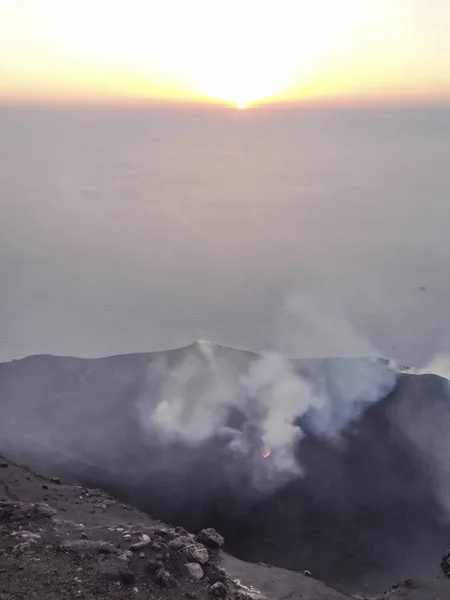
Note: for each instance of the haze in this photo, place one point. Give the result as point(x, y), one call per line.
point(141, 211)
point(140, 229)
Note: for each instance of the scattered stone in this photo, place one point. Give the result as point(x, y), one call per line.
point(307, 573)
point(55, 480)
point(181, 542)
point(28, 535)
point(198, 554)
point(162, 532)
point(180, 530)
point(219, 590)
point(154, 565)
point(243, 594)
point(22, 547)
point(210, 538)
point(193, 552)
point(163, 577)
point(139, 545)
point(247, 592)
point(117, 571)
point(44, 486)
point(159, 546)
point(194, 570)
point(216, 573)
point(85, 563)
point(3, 464)
point(445, 564)
point(88, 546)
point(45, 510)
point(125, 556)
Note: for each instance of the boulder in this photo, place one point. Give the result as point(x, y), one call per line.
point(210, 538)
point(194, 570)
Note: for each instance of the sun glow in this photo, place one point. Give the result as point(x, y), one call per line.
point(241, 53)
point(271, 50)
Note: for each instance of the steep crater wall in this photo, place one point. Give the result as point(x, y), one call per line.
point(370, 507)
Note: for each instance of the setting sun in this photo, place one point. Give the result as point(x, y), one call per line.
point(239, 53)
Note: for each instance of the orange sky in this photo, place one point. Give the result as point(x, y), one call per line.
point(235, 51)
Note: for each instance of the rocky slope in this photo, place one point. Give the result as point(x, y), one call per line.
point(63, 541)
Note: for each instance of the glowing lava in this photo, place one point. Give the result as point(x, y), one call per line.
point(266, 453)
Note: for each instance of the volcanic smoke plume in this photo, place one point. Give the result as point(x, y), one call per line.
point(338, 466)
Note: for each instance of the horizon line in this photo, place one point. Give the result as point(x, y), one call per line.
point(330, 102)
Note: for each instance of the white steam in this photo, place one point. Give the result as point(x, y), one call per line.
point(280, 397)
point(347, 387)
point(440, 365)
point(195, 398)
point(310, 327)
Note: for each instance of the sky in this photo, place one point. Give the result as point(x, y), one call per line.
point(238, 52)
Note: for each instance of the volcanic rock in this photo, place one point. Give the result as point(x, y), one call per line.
point(24, 511)
point(195, 571)
point(22, 547)
point(445, 564)
point(192, 551)
point(116, 571)
point(125, 556)
point(198, 554)
point(210, 538)
point(219, 590)
point(181, 542)
point(143, 543)
point(42, 508)
point(154, 565)
point(163, 577)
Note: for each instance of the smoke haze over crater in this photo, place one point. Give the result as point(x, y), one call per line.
point(337, 465)
point(147, 229)
point(352, 489)
point(194, 400)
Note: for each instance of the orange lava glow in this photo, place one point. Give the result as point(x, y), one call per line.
point(266, 453)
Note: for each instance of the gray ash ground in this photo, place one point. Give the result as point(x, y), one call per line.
point(67, 541)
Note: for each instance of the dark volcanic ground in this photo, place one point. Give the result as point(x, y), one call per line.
point(370, 510)
point(62, 541)
point(59, 540)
